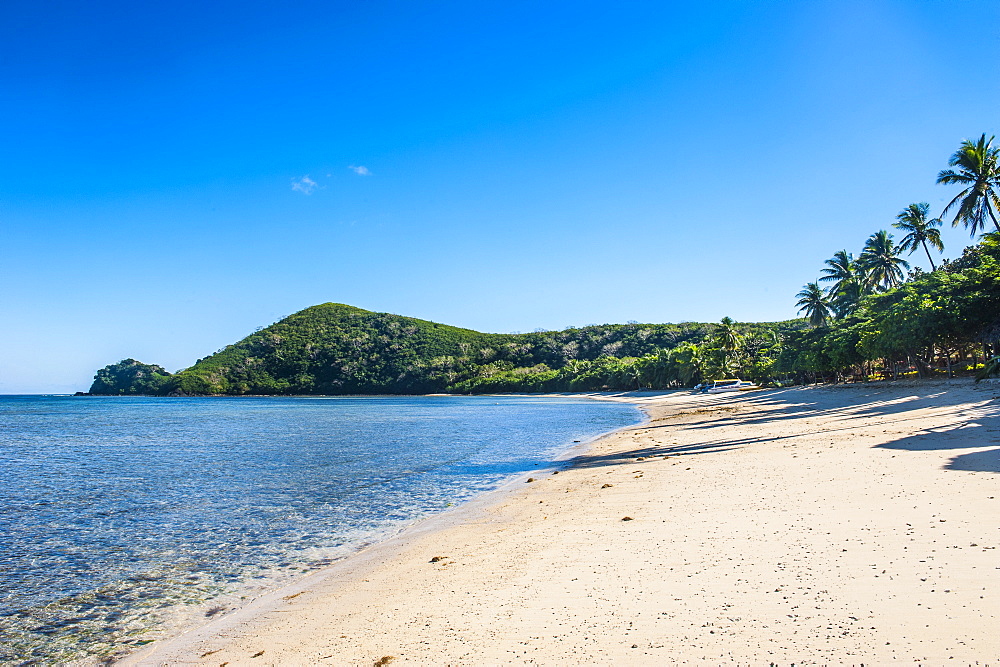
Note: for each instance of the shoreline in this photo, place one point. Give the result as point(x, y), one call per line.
point(645, 593)
point(262, 598)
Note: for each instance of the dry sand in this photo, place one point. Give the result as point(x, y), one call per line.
point(829, 525)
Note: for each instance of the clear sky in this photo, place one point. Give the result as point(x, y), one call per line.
point(176, 174)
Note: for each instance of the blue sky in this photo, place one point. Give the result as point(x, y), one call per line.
point(174, 175)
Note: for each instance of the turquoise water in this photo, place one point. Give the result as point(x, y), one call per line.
point(116, 512)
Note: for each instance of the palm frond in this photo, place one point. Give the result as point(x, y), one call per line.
point(991, 367)
point(812, 300)
point(979, 168)
point(950, 177)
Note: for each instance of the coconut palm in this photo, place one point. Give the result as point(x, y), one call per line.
point(813, 301)
point(979, 172)
point(841, 268)
point(846, 292)
point(727, 336)
point(729, 340)
point(848, 298)
point(881, 261)
point(689, 360)
point(919, 230)
point(991, 367)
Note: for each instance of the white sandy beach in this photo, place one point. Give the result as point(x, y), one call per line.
point(829, 525)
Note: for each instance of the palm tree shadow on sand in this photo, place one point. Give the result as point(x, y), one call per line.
point(629, 457)
point(964, 436)
point(974, 428)
point(988, 461)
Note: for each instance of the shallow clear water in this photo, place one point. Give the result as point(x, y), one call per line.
point(116, 511)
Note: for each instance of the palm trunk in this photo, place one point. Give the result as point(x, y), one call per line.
point(924, 243)
point(989, 209)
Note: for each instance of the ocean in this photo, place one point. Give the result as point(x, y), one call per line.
point(119, 516)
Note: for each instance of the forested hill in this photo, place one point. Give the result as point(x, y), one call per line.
point(338, 349)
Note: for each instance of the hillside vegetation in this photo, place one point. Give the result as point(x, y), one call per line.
point(338, 349)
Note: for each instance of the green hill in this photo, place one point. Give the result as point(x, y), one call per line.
point(333, 349)
point(338, 349)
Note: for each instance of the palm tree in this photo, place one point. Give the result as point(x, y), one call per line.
point(919, 230)
point(689, 360)
point(841, 268)
point(979, 172)
point(881, 261)
point(992, 367)
point(813, 301)
point(847, 291)
point(727, 335)
point(848, 298)
point(729, 339)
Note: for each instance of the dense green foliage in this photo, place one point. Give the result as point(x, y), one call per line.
point(944, 318)
point(130, 377)
point(886, 324)
point(338, 349)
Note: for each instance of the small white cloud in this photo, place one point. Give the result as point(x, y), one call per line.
point(360, 171)
point(305, 185)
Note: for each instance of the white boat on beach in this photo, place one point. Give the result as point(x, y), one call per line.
point(721, 386)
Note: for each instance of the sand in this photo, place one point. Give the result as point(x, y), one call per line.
point(829, 525)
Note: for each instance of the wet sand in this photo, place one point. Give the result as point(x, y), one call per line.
point(827, 525)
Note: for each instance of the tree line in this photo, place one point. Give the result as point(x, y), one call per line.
point(339, 349)
point(878, 317)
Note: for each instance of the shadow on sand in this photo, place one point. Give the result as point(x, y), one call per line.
point(585, 460)
point(971, 435)
point(972, 425)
